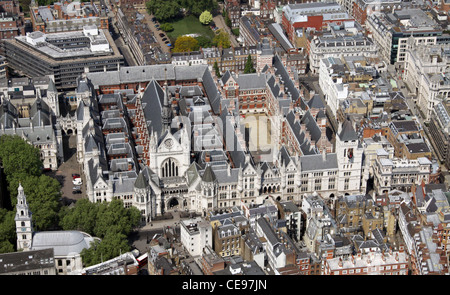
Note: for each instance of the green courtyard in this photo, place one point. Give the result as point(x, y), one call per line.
point(189, 25)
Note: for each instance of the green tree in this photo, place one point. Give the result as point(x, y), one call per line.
point(222, 39)
point(216, 68)
point(43, 195)
point(111, 222)
point(197, 7)
point(7, 231)
point(167, 27)
point(206, 17)
point(249, 66)
point(19, 157)
point(203, 42)
point(115, 217)
point(185, 44)
point(112, 245)
point(22, 164)
point(81, 217)
point(163, 10)
point(98, 219)
point(228, 20)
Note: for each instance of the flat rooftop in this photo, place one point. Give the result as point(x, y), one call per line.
point(99, 46)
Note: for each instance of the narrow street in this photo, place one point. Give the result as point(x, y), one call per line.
point(151, 25)
point(69, 167)
point(220, 23)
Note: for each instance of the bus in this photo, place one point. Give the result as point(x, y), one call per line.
point(142, 260)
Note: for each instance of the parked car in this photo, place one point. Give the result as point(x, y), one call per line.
point(164, 39)
point(167, 41)
point(75, 192)
point(76, 176)
point(161, 35)
point(77, 181)
point(77, 187)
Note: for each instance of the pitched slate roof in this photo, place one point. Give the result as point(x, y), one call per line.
point(251, 81)
point(316, 102)
point(348, 133)
point(152, 102)
point(208, 175)
point(317, 162)
point(141, 181)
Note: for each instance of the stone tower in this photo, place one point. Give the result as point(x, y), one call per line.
point(142, 197)
point(349, 154)
point(24, 225)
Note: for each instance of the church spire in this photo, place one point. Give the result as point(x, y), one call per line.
point(166, 109)
point(24, 227)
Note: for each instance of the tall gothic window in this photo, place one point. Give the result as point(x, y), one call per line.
point(169, 168)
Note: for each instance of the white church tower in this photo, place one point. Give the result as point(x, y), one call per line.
point(349, 155)
point(24, 226)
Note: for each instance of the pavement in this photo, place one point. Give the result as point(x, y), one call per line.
point(220, 23)
point(123, 48)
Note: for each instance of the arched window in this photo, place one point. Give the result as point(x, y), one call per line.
point(169, 168)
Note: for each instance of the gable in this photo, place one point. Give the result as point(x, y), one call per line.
point(169, 144)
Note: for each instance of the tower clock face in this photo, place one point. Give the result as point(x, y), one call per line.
point(168, 143)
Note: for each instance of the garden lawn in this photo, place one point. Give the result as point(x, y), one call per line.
point(189, 25)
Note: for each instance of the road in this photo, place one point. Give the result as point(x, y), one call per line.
point(151, 25)
point(220, 23)
point(66, 169)
point(123, 48)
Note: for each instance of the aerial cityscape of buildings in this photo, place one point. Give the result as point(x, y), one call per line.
point(330, 157)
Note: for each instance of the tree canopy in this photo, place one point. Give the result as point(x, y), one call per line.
point(222, 39)
point(166, 27)
point(185, 44)
point(22, 164)
point(206, 17)
point(170, 9)
point(18, 157)
point(203, 41)
point(216, 69)
point(43, 195)
point(111, 222)
point(7, 231)
point(99, 218)
point(111, 246)
point(248, 69)
point(164, 10)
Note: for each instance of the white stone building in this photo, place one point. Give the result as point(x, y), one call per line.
point(342, 41)
point(195, 235)
point(401, 174)
point(66, 245)
point(425, 74)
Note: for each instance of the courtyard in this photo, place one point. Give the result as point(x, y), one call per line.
point(187, 26)
point(260, 136)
